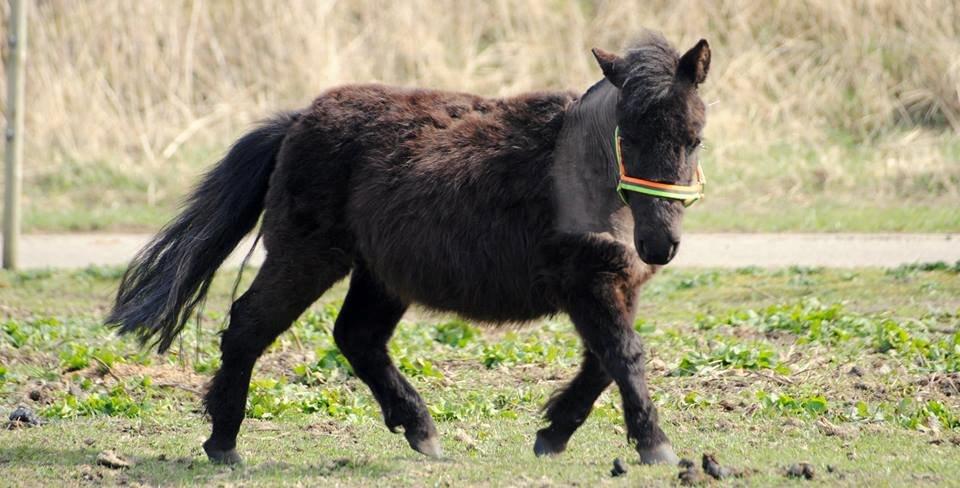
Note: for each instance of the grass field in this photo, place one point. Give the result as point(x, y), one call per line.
point(746, 192)
point(854, 371)
point(822, 115)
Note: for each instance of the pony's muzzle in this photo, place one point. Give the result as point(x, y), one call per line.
point(653, 252)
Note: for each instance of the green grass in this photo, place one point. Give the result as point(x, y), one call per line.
point(842, 184)
point(709, 216)
point(824, 215)
point(855, 369)
point(133, 217)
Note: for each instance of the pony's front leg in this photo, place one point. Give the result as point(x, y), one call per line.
point(602, 309)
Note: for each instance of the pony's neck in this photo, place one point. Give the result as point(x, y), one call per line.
point(584, 170)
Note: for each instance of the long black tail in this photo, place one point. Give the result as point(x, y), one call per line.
point(170, 276)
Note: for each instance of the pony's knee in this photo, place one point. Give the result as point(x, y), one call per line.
point(247, 335)
point(348, 339)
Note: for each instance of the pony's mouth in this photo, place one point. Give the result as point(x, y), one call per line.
point(657, 255)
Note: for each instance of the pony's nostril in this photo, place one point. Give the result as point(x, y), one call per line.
point(673, 250)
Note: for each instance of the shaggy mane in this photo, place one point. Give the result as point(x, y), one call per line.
point(652, 63)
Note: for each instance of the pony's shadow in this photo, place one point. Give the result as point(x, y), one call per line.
point(44, 456)
point(166, 470)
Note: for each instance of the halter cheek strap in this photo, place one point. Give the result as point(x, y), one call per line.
point(688, 194)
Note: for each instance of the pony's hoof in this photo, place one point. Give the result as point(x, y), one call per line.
point(659, 454)
point(218, 456)
point(429, 446)
point(543, 446)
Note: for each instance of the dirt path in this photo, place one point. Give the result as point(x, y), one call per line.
point(713, 250)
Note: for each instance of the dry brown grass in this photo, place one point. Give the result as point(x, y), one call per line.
point(797, 89)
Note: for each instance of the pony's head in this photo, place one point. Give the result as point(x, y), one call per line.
point(660, 117)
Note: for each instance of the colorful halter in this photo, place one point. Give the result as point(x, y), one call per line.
point(688, 194)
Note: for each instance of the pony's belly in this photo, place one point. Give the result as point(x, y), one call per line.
point(478, 292)
point(491, 305)
point(489, 277)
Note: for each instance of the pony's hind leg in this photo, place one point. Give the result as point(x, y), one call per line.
point(367, 320)
point(568, 408)
point(286, 285)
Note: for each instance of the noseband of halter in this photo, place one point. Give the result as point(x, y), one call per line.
point(688, 194)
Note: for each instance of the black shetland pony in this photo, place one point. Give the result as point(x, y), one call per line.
point(501, 210)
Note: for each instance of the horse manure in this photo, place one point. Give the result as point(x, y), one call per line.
point(800, 470)
point(23, 417)
point(690, 474)
point(618, 468)
point(113, 460)
point(716, 471)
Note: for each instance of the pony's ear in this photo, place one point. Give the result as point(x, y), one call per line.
point(695, 64)
point(614, 67)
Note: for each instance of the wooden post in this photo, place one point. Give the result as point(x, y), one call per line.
point(17, 54)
